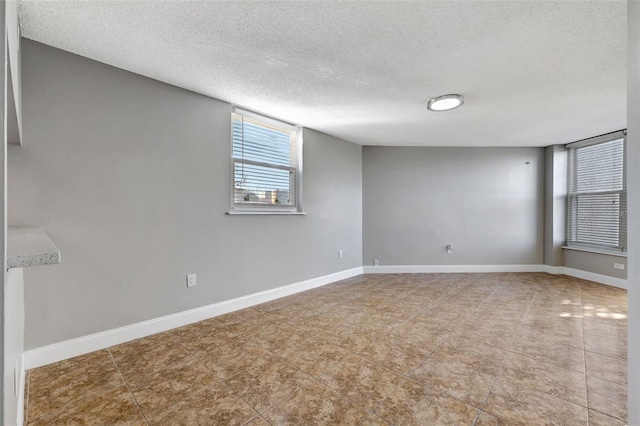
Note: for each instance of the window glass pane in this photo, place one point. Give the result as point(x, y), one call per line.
point(597, 219)
point(597, 198)
point(260, 144)
point(263, 185)
point(265, 163)
point(600, 167)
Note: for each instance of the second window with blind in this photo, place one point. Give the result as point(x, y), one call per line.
point(266, 156)
point(597, 194)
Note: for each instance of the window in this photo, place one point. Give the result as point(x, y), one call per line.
point(266, 164)
point(597, 197)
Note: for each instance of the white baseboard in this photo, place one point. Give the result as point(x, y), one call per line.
point(599, 278)
point(93, 342)
point(70, 348)
point(434, 269)
point(586, 275)
point(555, 270)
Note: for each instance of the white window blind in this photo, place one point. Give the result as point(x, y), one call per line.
point(597, 198)
point(265, 163)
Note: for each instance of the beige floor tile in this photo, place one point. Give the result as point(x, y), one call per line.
point(610, 328)
point(567, 357)
point(599, 419)
point(457, 379)
point(25, 400)
point(145, 356)
point(475, 337)
point(557, 337)
point(613, 348)
point(413, 403)
point(481, 357)
point(316, 405)
point(486, 419)
point(606, 368)
point(373, 420)
point(57, 386)
point(317, 356)
point(116, 407)
point(224, 362)
point(530, 407)
point(362, 381)
point(268, 385)
point(394, 354)
point(258, 421)
point(419, 335)
point(526, 372)
point(510, 344)
point(167, 386)
point(212, 342)
point(277, 338)
point(607, 397)
point(215, 405)
point(352, 337)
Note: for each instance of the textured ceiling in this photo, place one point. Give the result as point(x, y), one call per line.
point(532, 73)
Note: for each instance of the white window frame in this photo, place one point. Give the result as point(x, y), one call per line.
point(621, 248)
point(257, 208)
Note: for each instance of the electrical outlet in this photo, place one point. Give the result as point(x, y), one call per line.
point(376, 262)
point(191, 280)
point(618, 265)
point(339, 254)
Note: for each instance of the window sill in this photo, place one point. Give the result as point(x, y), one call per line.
point(264, 212)
point(597, 250)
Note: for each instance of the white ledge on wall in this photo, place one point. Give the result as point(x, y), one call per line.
point(248, 212)
point(597, 250)
point(30, 247)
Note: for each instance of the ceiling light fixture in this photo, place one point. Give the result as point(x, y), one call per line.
point(445, 103)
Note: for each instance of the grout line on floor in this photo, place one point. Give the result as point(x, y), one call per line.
point(515, 336)
point(408, 375)
point(233, 375)
point(444, 299)
point(144, 416)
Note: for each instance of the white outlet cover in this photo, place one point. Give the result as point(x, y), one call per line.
point(191, 280)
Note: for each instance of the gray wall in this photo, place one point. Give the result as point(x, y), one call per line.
point(555, 204)
point(131, 179)
point(485, 201)
point(595, 262)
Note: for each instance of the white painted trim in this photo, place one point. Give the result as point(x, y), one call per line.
point(93, 342)
point(599, 278)
point(618, 253)
point(431, 269)
point(555, 270)
point(70, 348)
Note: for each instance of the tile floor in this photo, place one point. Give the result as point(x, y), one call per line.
point(423, 349)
